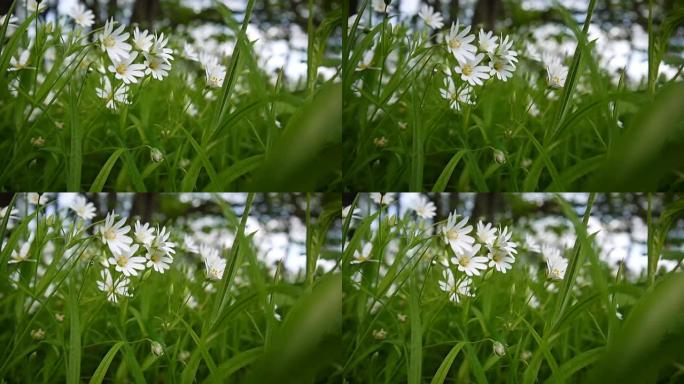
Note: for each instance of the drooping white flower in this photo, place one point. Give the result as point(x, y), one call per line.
point(486, 234)
point(472, 72)
point(486, 41)
point(82, 16)
point(114, 234)
point(113, 289)
point(455, 96)
point(214, 264)
point(457, 234)
point(114, 41)
point(459, 43)
point(112, 96)
point(82, 207)
point(125, 262)
point(33, 6)
point(20, 61)
point(364, 255)
point(468, 261)
point(555, 263)
point(143, 234)
point(156, 66)
point(215, 75)
point(430, 17)
point(423, 207)
point(20, 255)
point(382, 198)
point(127, 71)
point(556, 74)
point(455, 290)
point(142, 40)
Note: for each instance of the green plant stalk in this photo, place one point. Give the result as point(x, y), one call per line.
point(311, 65)
point(310, 256)
point(652, 255)
point(651, 51)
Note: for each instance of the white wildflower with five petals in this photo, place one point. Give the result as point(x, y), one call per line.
point(82, 16)
point(459, 43)
point(455, 290)
point(112, 96)
point(215, 265)
point(114, 41)
point(156, 66)
point(142, 40)
point(127, 71)
point(469, 263)
point(113, 289)
point(486, 41)
point(457, 234)
point(423, 207)
point(555, 263)
point(430, 17)
point(556, 74)
point(472, 72)
point(82, 207)
point(114, 234)
point(500, 68)
point(143, 233)
point(382, 198)
point(486, 234)
point(126, 263)
point(34, 6)
point(215, 74)
point(455, 96)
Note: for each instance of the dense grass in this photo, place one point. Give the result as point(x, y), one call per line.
point(599, 132)
point(258, 322)
point(253, 133)
point(598, 324)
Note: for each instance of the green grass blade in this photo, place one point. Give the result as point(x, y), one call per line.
point(416, 344)
point(443, 180)
point(74, 366)
point(101, 371)
point(443, 369)
point(101, 179)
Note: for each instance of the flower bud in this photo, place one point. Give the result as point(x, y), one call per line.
point(156, 155)
point(499, 349)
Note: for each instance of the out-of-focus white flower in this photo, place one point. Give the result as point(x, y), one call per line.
point(457, 234)
point(423, 207)
point(499, 157)
point(367, 60)
point(143, 234)
point(472, 72)
point(380, 6)
point(455, 291)
point(125, 70)
point(382, 198)
point(157, 349)
point(214, 264)
point(379, 334)
point(159, 49)
point(499, 349)
point(125, 262)
point(555, 263)
point(142, 40)
point(469, 263)
point(114, 42)
point(156, 67)
point(500, 68)
point(430, 17)
point(12, 214)
point(114, 234)
point(11, 25)
point(82, 207)
point(156, 155)
point(19, 62)
point(34, 6)
point(459, 43)
point(20, 255)
point(37, 334)
point(215, 74)
point(347, 210)
point(364, 255)
point(36, 198)
point(120, 95)
point(113, 289)
point(455, 96)
point(82, 15)
point(556, 73)
point(486, 41)
point(500, 259)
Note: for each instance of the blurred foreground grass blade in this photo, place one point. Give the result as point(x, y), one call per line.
point(101, 371)
point(443, 180)
point(416, 344)
point(650, 340)
point(646, 155)
point(235, 363)
point(99, 182)
point(74, 360)
point(443, 369)
point(308, 148)
point(308, 340)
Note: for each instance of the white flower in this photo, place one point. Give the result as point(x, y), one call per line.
point(12, 214)
point(158, 260)
point(471, 72)
point(432, 19)
point(126, 263)
point(499, 349)
point(469, 263)
point(367, 60)
point(486, 234)
point(125, 70)
point(486, 41)
point(112, 288)
point(11, 25)
point(555, 263)
point(190, 52)
point(556, 74)
point(189, 244)
point(82, 15)
point(21, 255)
point(448, 284)
point(120, 95)
point(36, 198)
point(382, 198)
point(423, 207)
point(114, 234)
point(161, 242)
point(157, 349)
point(143, 234)
point(503, 242)
point(347, 210)
point(83, 208)
point(19, 62)
point(159, 49)
point(459, 43)
point(156, 67)
point(214, 264)
point(500, 259)
point(457, 234)
point(454, 96)
point(142, 40)
point(502, 69)
point(380, 6)
point(34, 6)
point(505, 52)
point(114, 41)
point(215, 75)
point(364, 255)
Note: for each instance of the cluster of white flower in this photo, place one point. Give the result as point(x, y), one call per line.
point(125, 62)
point(148, 247)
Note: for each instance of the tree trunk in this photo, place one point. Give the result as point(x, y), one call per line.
point(487, 12)
point(145, 12)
